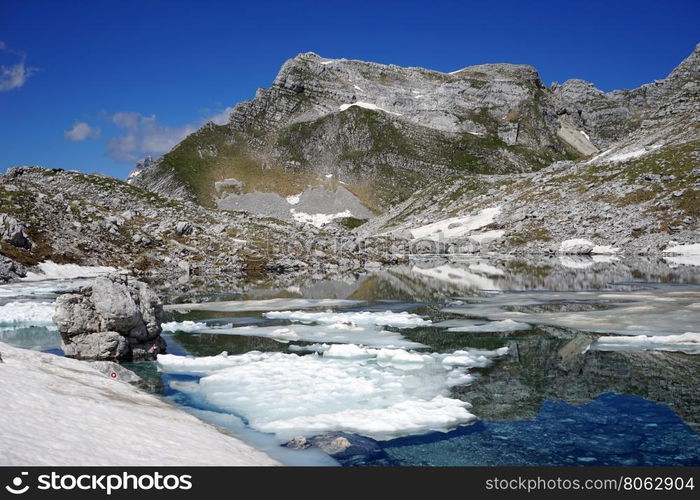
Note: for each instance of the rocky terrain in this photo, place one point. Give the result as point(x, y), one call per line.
point(342, 166)
point(379, 131)
point(489, 155)
point(69, 217)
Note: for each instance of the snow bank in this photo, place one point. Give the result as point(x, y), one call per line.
point(319, 219)
point(456, 227)
point(487, 236)
point(382, 393)
point(366, 105)
point(59, 411)
point(604, 250)
point(51, 271)
point(692, 249)
point(576, 246)
point(688, 255)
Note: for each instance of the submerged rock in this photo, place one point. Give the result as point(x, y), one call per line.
point(114, 318)
point(346, 448)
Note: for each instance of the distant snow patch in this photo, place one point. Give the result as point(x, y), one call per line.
point(319, 219)
point(585, 135)
point(456, 227)
point(691, 249)
point(688, 255)
point(619, 157)
point(49, 270)
point(366, 105)
point(293, 199)
point(357, 88)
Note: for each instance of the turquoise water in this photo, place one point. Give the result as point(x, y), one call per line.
point(553, 399)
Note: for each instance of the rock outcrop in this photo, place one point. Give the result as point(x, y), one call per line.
point(114, 318)
point(10, 270)
point(381, 131)
point(13, 232)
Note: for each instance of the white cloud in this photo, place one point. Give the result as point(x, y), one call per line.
point(82, 131)
point(14, 75)
point(222, 117)
point(145, 136)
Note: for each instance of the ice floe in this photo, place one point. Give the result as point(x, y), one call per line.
point(27, 313)
point(382, 393)
point(642, 312)
point(476, 326)
point(688, 343)
point(340, 332)
point(360, 318)
point(261, 305)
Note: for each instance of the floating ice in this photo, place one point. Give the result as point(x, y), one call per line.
point(688, 343)
point(475, 326)
point(49, 270)
point(642, 312)
point(27, 313)
point(381, 393)
point(340, 332)
point(364, 318)
point(261, 305)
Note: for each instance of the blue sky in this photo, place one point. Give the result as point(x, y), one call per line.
point(94, 85)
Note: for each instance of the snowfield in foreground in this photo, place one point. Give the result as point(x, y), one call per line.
point(58, 411)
